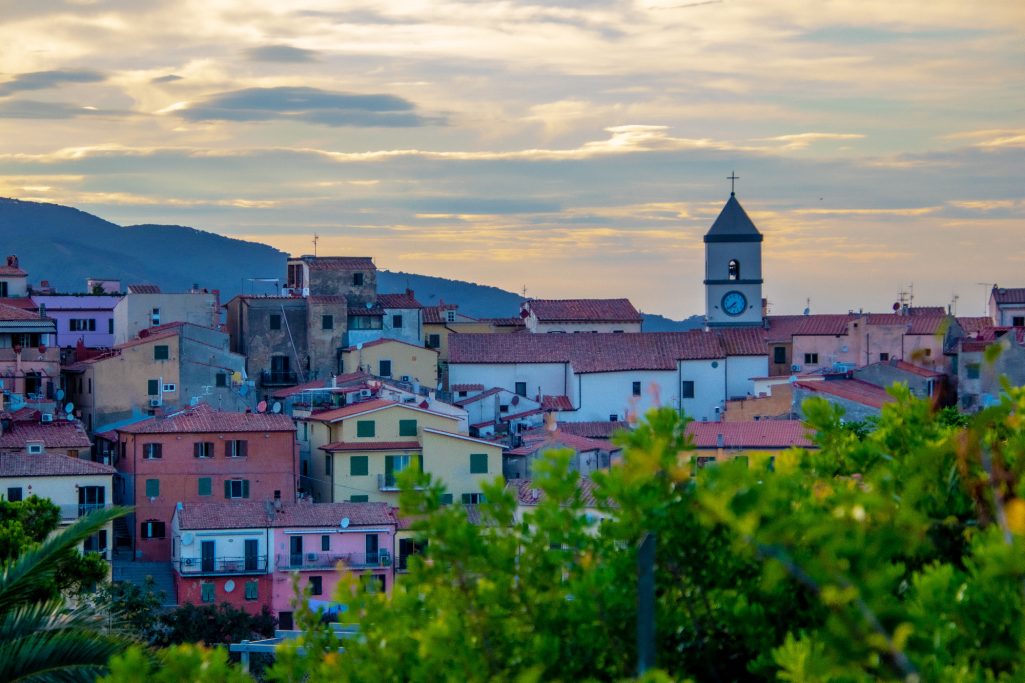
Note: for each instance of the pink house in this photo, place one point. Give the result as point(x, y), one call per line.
point(200, 455)
point(247, 553)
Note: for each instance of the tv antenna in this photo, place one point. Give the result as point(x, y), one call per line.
point(988, 287)
point(316, 238)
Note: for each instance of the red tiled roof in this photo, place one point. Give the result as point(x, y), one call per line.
point(340, 381)
point(526, 494)
point(371, 446)
point(556, 403)
point(22, 302)
point(49, 465)
point(402, 300)
point(504, 322)
point(467, 387)
point(584, 310)
point(12, 271)
point(478, 397)
point(915, 369)
point(157, 336)
point(143, 289)
point(56, 434)
point(970, 325)
point(544, 440)
point(353, 409)
point(13, 313)
point(253, 514)
point(988, 335)
point(592, 430)
point(205, 419)
point(918, 323)
point(386, 340)
point(760, 434)
point(340, 263)
point(851, 390)
point(327, 299)
point(1005, 295)
point(433, 314)
point(604, 352)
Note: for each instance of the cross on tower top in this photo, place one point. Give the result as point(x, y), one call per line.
point(732, 177)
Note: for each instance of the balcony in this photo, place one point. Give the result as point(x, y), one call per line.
point(310, 561)
point(70, 513)
point(278, 378)
point(211, 566)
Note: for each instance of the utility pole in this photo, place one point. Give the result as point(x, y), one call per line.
point(646, 604)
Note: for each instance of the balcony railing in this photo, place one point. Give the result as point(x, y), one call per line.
point(253, 564)
point(308, 561)
point(387, 482)
point(72, 511)
point(278, 378)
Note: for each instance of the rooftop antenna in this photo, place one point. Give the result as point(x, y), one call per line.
point(316, 238)
point(953, 304)
point(524, 291)
point(733, 178)
point(807, 306)
point(985, 295)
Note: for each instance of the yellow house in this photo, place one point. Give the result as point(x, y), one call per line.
point(393, 358)
point(358, 451)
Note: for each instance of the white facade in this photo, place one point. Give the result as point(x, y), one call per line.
point(229, 546)
point(741, 372)
point(546, 379)
point(603, 395)
point(136, 312)
point(410, 324)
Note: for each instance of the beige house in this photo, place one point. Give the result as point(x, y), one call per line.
point(393, 359)
point(145, 306)
point(358, 451)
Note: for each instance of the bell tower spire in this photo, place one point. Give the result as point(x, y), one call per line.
point(733, 267)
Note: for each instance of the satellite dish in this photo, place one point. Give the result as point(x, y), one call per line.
point(261, 407)
point(60, 394)
point(187, 538)
point(243, 390)
point(194, 401)
point(229, 586)
point(359, 347)
point(344, 523)
point(276, 408)
point(793, 378)
point(69, 408)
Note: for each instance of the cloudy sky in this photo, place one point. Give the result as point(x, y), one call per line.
point(574, 147)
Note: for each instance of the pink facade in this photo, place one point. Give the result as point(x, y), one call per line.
point(201, 455)
point(85, 318)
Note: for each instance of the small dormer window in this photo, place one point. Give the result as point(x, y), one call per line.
point(357, 279)
point(34, 448)
point(734, 272)
point(450, 316)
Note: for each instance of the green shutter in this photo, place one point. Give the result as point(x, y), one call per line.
point(446, 499)
point(205, 486)
point(227, 488)
point(359, 499)
point(366, 428)
point(252, 590)
point(467, 499)
point(160, 352)
point(153, 387)
point(245, 488)
point(478, 463)
point(407, 427)
point(359, 466)
point(208, 592)
point(152, 488)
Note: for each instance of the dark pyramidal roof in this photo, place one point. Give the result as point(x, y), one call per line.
point(733, 225)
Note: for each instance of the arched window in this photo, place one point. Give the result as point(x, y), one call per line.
point(734, 269)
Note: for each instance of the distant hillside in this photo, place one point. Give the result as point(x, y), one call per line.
point(67, 246)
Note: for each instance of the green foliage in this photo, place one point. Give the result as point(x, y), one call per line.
point(176, 664)
point(137, 610)
point(212, 625)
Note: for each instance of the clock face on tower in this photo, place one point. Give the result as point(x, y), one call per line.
point(734, 303)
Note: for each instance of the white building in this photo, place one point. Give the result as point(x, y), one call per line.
point(146, 306)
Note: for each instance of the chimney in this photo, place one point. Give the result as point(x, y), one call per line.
point(720, 441)
point(277, 500)
point(551, 424)
point(12, 261)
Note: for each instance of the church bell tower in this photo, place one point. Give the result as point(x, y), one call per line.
point(733, 269)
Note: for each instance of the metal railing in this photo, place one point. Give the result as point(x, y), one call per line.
point(278, 378)
point(252, 564)
point(73, 511)
point(312, 560)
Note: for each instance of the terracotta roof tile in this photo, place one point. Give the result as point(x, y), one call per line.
point(538, 441)
point(253, 514)
point(971, 325)
point(340, 380)
point(339, 446)
point(143, 289)
point(56, 434)
point(526, 494)
point(327, 299)
point(22, 302)
point(49, 465)
point(478, 397)
point(467, 387)
point(436, 314)
point(14, 313)
point(1006, 295)
point(851, 390)
point(760, 434)
point(340, 263)
point(386, 340)
point(504, 322)
point(584, 310)
point(556, 403)
point(401, 300)
point(12, 271)
point(594, 430)
point(205, 419)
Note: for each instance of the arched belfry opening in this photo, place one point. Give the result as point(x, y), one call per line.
point(734, 269)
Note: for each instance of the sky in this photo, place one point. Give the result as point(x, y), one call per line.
point(574, 148)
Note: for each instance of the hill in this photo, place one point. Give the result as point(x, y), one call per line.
point(67, 246)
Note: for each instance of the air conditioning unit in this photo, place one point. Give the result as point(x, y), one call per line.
point(365, 393)
point(188, 561)
point(154, 403)
point(405, 378)
point(311, 556)
point(46, 417)
point(795, 368)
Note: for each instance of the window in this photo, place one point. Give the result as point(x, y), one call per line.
point(433, 341)
point(373, 583)
point(325, 542)
point(327, 322)
point(613, 417)
point(152, 528)
point(396, 321)
point(884, 356)
point(152, 451)
point(161, 352)
point(96, 543)
point(221, 379)
point(473, 498)
point(252, 590)
point(110, 326)
point(503, 408)
point(316, 585)
point(927, 352)
point(446, 499)
point(779, 354)
point(972, 369)
point(82, 325)
point(207, 591)
point(236, 488)
point(153, 387)
point(357, 279)
point(521, 388)
point(152, 488)
point(275, 321)
point(72, 453)
point(34, 448)
point(1018, 321)
point(704, 461)
point(687, 389)
point(359, 499)
point(811, 358)
point(285, 621)
point(327, 464)
point(385, 368)
point(205, 486)
point(393, 464)
point(14, 494)
point(366, 428)
point(734, 269)
point(359, 466)
point(450, 316)
point(407, 427)
point(203, 449)
point(3, 289)
point(154, 317)
point(236, 448)
point(636, 388)
point(478, 463)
